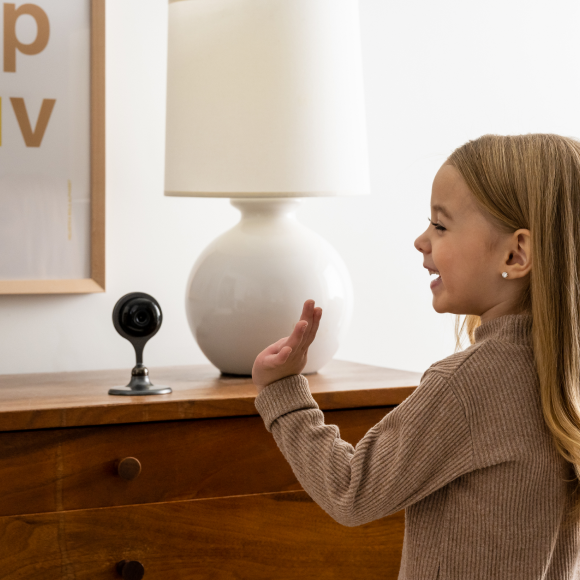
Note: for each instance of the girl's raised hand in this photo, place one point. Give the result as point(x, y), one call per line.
point(288, 356)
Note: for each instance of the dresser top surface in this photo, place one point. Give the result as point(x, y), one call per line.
point(49, 400)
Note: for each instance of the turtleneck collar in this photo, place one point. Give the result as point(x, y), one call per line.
point(514, 328)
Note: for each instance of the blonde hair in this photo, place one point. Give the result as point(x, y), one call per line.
point(533, 181)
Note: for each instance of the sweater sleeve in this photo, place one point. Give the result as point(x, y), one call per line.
point(417, 448)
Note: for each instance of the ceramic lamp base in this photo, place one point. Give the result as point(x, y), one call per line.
point(247, 288)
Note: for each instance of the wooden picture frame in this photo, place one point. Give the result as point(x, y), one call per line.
point(96, 281)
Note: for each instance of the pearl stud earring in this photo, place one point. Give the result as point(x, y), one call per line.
point(504, 274)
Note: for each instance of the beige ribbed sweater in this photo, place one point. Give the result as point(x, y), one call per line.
point(467, 455)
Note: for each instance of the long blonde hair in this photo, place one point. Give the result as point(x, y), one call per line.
point(533, 181)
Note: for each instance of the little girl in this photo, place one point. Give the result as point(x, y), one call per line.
point(484, 455)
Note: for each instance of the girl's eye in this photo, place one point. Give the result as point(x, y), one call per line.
point(437, 226)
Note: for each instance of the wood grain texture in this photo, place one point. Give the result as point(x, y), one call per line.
point(82, 286)
point(98, 143)
point(281, 535)
point(50, 400)
point(76, 468)
point(215, 498)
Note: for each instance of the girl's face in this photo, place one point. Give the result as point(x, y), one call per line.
point(469, 253)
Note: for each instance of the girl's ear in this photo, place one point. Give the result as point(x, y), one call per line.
point(519, 254)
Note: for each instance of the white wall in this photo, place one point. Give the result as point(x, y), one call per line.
point(436, 74)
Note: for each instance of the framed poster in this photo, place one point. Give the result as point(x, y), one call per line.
point(52, 146)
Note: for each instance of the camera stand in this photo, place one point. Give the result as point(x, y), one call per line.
point(140, 384)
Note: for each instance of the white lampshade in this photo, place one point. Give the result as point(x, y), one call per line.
point(265, 99)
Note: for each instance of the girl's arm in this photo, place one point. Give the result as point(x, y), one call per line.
point(414, 450)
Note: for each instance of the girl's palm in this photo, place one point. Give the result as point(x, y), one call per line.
point(289, 355)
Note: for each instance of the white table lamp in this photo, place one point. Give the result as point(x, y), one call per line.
point(265, 104)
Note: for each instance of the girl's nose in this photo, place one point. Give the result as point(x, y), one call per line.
point(417, 244)
point(421, 243)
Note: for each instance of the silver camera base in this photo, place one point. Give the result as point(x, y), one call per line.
point(140, 384)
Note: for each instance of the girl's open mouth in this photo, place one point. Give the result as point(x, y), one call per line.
point(435, 282)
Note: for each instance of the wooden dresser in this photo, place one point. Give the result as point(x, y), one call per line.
point(188, 485)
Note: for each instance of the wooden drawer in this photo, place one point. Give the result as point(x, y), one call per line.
point(52, 470)
point(281, 535)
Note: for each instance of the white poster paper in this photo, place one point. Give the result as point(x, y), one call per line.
point(45, 140)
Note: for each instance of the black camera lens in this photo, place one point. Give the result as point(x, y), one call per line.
point(140, 317)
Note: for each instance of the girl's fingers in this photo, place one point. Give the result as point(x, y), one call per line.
point(297, 335)
point(279, 344)
point(283, 355)
point(308, 315)
point(307, 311)
point(275, 348)
point(311, 335)
point(302, 336)
point(312, 316)
point(277, 359)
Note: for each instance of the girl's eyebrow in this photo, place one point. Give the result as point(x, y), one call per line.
point(440, 208)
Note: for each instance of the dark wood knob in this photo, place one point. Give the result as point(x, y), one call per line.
point(129, 468)
point(130, 569)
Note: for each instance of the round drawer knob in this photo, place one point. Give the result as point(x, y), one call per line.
point(130, 569)
point(129, 468)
